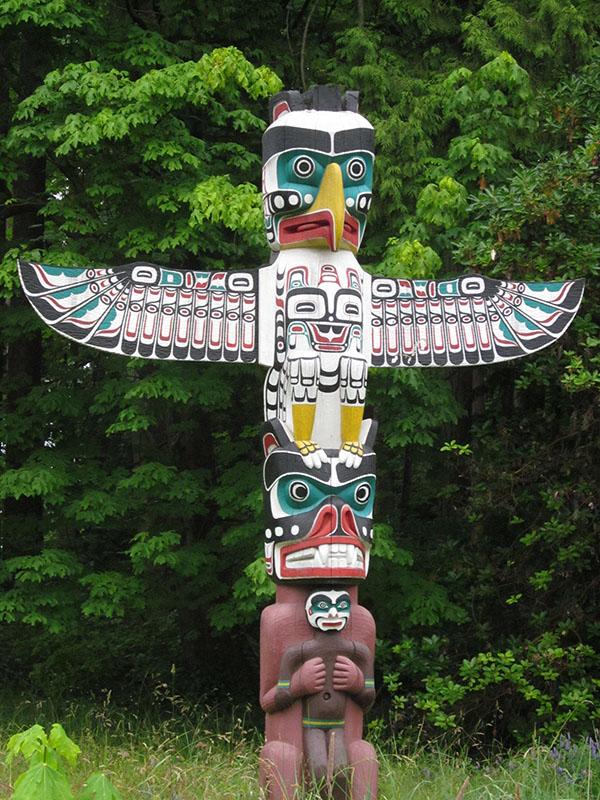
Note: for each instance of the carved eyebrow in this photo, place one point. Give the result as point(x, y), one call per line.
point(354, 139)
point(347, 475)
point(285, 137)
point(318, 597)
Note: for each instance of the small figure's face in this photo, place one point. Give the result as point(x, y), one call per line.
point(328, 610)
point(317, 179)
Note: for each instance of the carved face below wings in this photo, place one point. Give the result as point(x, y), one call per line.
point(326, 317)
point(319, 522)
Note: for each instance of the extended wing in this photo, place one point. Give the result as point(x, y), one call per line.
point(145, 310)
point(466, 321)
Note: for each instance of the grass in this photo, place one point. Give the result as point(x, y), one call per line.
point(213, 755)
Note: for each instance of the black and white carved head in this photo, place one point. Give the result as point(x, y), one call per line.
point(318, 155)
point(319, 522)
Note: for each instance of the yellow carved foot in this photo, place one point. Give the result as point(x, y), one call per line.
point(312, 453)
point(351, 454)
point(306, 446)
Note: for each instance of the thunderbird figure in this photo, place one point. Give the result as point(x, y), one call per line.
point(313, 316)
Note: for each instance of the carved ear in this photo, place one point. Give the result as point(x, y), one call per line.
point(275, 434)
point(283, 102)
point(368, 434)
point(280, 108)
point(269, 443)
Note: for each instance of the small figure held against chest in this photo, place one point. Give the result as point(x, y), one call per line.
point(324, 671)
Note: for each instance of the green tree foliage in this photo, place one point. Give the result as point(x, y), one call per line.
point(131, 516)
point(149, 145)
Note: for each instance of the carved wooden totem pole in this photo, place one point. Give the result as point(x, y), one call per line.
point(318, 321)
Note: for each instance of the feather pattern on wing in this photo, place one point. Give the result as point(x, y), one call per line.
point(466, 321)
point(142, 309)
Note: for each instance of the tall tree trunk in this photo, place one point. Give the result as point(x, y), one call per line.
point(22, 524)
point(21, 528)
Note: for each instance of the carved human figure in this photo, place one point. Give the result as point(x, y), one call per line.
point(323, 676)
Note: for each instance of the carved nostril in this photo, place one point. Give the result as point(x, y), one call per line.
point(329, 520)
point(326, 521)
point(348, 521)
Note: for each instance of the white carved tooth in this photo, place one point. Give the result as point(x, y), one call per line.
point(324, 554)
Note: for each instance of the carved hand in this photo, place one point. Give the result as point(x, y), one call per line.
point(309, 679)
point(347, 677)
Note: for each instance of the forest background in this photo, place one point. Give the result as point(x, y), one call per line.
point(130, 525)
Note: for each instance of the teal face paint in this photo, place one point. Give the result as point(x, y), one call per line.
point(328, 610)
point(298, 493)
point(299, 175)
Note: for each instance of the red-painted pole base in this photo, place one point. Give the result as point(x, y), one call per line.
point(306, 745)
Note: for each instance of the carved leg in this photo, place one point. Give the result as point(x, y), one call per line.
point(315, 753)
point(327, 763)
point(363, 761)
point(353, 388)
point(303, 375)
point(280, 772)
point(341, 771)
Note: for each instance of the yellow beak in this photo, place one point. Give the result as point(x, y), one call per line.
point(331, 197)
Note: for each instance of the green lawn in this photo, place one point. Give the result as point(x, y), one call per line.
point(214, 757)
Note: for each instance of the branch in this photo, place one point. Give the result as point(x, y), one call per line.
point(14, 209)
point(303, 48)
point(299, 15)
point(134, 15)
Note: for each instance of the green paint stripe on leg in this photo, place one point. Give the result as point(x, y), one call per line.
point(308, 722)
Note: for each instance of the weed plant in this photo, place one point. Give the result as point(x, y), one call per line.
point(212, 753)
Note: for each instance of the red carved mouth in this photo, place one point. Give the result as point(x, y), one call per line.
point(325, 552)
point(329, 338)
point(336, 623)
point(306, 227)
point(351, 230)
point(323, 557)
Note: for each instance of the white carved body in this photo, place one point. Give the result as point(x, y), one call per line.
point(317, 304)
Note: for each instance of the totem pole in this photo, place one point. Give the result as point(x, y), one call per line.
point(318, 321)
